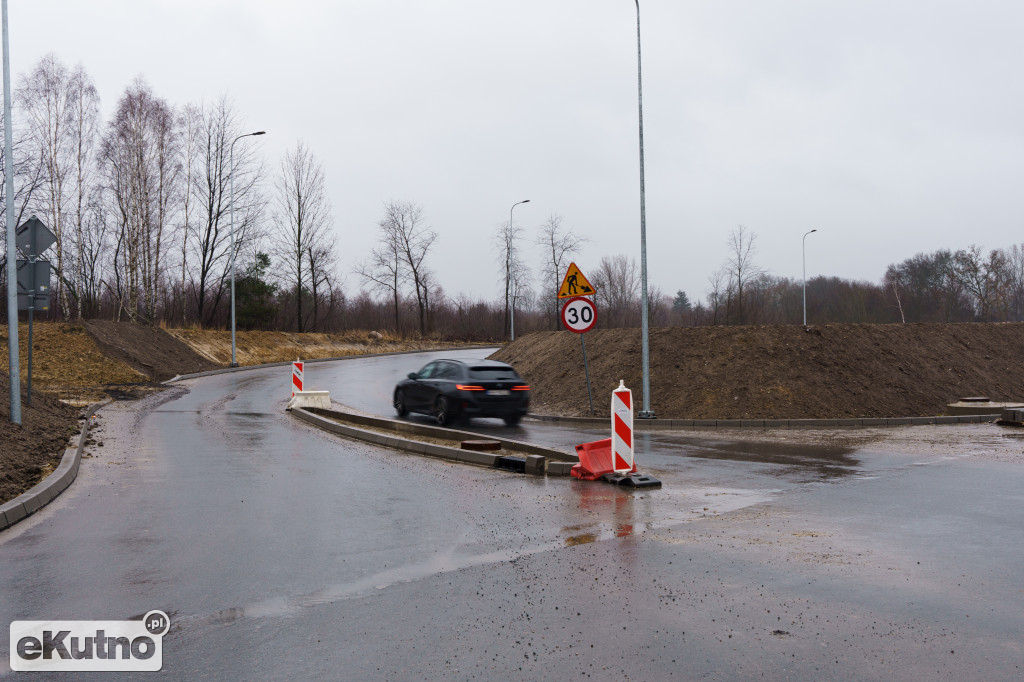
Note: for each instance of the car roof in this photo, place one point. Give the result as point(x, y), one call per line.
point(480, 363)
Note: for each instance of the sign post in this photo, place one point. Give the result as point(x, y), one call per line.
point(32, 238)
point(579, 313)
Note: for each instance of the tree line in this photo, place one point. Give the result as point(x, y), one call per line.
point(151, 207)
point(146, 231)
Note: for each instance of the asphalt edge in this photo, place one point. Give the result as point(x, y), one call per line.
point(225, 370)
point(655, 424)
point(550, 467)
point(47, 490)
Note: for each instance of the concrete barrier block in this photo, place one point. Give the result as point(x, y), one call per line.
point(477, 457)
point(874, 421)
point(310, 399)
point(559, 468)
point(898, 421)
point(946, 420)
point(535, 464)
point(705, 422)
point(919, 421)
point(752, 422)
point(14, 512)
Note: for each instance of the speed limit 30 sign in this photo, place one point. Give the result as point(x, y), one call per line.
point(579, 314)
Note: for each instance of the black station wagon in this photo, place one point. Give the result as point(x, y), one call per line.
point(452, 389)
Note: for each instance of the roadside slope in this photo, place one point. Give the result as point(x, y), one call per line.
point(777, 372)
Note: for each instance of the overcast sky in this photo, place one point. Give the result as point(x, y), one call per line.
point(893, 127)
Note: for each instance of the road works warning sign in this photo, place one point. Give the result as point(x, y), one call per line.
point(575, 284)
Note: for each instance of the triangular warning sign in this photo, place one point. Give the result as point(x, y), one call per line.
point(575, 284)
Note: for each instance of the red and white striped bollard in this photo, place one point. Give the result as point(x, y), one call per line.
point(297, 376)
point(622, 429)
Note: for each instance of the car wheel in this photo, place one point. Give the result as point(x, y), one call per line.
point(512, 419)
point(400, 404)
point(443, 412)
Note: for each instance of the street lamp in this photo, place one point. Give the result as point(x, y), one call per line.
point(805, 274)
point(647, 412)
point(231, 172)
point(508, 265)
point(12, 266)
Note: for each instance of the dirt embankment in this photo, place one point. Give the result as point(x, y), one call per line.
point(256, 347)
point(777, 372)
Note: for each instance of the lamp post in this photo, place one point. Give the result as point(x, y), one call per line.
point(508, 266)
point(231, 164)
point(12, 266)
point(647, 412)
point(805, 274)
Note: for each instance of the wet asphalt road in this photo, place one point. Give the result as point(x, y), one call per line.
point(282, 552)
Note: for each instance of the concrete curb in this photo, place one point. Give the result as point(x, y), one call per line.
point(659, 424)
point(224, 370)
point(47, 490)
point(556, 463)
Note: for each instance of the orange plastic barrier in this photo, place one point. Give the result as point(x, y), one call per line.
point(595, 460)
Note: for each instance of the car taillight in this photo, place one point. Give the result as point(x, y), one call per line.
point(520, 388)
point(463, 387)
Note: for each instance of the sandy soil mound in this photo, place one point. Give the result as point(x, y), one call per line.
point(67, 361)
point(777, 372)
point(259, 347)
point(149, 350)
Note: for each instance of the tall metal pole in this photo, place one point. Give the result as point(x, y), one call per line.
point(647, 412)
point(805, 274)
point(508, 267)
point(13, 362)
point(231, 174)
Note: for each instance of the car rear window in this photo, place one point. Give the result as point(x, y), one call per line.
point(492, 373)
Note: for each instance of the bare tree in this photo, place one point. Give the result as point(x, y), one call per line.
point(45, 95)
point(742, 270)
point(28, 179)
point(302, 218)
point(211, 192)
point(404, 226)
point(191, 125)
point(617, 282)
point(323, 263)
point(140, 157)
point(383, 271)
point(84, 105)
point(558, 246)
point(514, 272)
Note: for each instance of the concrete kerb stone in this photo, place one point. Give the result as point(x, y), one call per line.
point(47, 490)
point(316, 418)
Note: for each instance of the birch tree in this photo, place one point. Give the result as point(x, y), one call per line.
point(46, 101)
point(140, 156)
